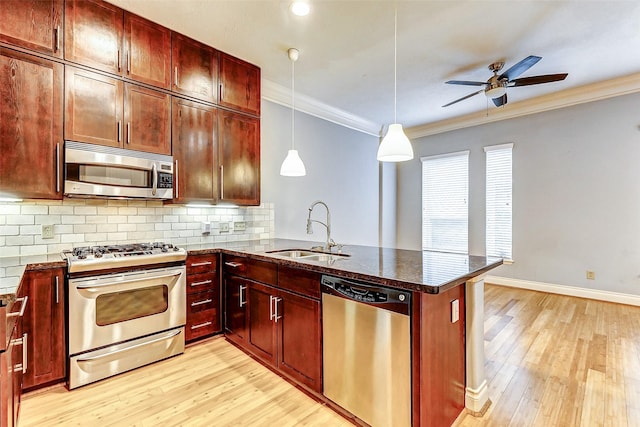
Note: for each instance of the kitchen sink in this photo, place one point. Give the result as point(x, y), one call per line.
point(307, 255)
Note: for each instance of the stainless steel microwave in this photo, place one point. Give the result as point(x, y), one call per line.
point(99, 171)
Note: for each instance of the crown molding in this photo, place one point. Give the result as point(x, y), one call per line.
point(566, 98)
point(282, 95)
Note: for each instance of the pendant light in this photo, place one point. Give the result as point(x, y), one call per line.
point(395, 146)
point(292, 164)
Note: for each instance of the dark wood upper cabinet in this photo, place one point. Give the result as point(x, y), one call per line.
point(195, 68)
point(93, 34)
point(31, 126)
point(147, 116)
point(147, 50)
point(33, 24)
point(239, 85)
point(103, 110)
point(239, 158)
point(194, 151)
point(43, 324)
point(93, 108)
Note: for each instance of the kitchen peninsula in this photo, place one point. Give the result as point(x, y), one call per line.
point(446, 292)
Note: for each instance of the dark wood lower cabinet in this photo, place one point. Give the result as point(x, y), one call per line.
point(262, 334)
point(203, 296)
point(11, 366)
point(43, 327)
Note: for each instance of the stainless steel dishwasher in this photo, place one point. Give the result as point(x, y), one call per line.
point(367, 350)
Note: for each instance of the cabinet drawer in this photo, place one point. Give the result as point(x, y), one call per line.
point(201, 282)
point(201, 301)
point(260, 271)
point(300, 281)
point(201, 324)
point(202, 263)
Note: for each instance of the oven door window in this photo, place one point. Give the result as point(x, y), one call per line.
point(116, 307)
point(109, 175)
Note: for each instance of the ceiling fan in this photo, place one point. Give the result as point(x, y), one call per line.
point(496, 87)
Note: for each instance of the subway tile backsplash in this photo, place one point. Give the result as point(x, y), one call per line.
point(82, 222)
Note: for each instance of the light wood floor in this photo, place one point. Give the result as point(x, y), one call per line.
point(551, 361)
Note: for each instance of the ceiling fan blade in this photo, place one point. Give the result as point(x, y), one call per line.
point(536, 80)
point(500, 101)
point(466, 83)
point(520, 67)
point(464, 97)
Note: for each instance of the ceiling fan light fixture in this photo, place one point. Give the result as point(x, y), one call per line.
point(300, 8)
point(496, 91)
point(395, 146)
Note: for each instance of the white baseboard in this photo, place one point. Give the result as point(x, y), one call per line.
point(573, 291)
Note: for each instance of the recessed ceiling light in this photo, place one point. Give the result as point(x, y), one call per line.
point(300, 8)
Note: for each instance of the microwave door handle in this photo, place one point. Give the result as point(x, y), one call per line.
point(154, 173)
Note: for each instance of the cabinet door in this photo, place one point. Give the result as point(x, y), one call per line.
point(93, 108)
point(239, 85)
point(16, 344)
point(239, 158)
point(147, 114)
point(300, 339)
point(30, 126)
point(33, 24)
point(195, 68)
point(235, 308)
point(261, 334)
point(194, 150)
point(93, 34)
point(147, 47)
point(43, 326)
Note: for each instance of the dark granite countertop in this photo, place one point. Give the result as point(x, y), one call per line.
point(423, 271)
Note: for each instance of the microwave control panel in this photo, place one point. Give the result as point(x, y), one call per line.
point(165, 180)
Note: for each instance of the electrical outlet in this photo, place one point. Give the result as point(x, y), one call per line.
point(591, 275)
point(224, 227)
point(206, 227)
point(455, 310)
point(239, 226)
point(47, 231)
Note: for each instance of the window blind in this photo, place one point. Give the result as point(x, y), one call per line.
point(499, 200)
point(445, 193)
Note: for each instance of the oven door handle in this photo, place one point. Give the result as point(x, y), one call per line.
point(123, 282)
point(163, 338)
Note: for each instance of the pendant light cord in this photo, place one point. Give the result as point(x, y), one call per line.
point(293, 102)
point(395, 62)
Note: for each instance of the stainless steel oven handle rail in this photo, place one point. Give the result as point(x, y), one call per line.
point(104, 283)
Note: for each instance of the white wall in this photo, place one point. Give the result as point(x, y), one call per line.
point(342, 171)
point(576, 184)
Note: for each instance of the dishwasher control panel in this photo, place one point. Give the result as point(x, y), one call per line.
point(364, 292)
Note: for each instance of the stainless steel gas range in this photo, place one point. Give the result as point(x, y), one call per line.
point(127, 308)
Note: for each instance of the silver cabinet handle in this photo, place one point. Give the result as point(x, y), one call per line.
point(119, 130)
point(201, 325)
point(204, 301)
point(198, 264)
point(276, 300)
point(175, 181)
point(128, 132)
point(58, 38)
point(57, 290)
point(58, 167)
point(243, 301)
point(221, 181)
point(270, 307)
point(118, 59)
point(175, 76)
point(20, 313)
point(129, 62)
point(25, 353)
point(221, 92)
point(233, 264)
point(205, 282)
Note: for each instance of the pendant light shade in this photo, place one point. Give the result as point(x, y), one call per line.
point(292, 164)
point(395, 146)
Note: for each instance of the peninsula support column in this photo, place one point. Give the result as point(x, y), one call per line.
point(477, 391)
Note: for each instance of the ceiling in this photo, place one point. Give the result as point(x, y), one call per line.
point(347, 49)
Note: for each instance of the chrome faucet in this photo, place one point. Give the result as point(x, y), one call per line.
point(330, 242)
